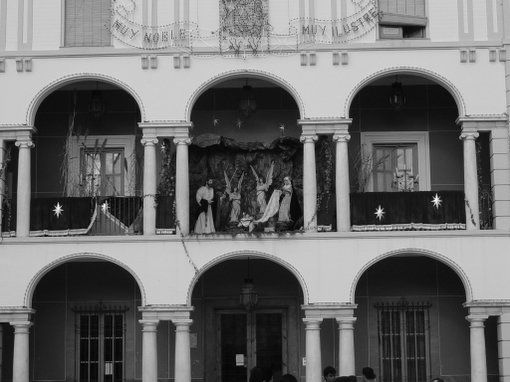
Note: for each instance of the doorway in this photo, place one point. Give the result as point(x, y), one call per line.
point(249, 339)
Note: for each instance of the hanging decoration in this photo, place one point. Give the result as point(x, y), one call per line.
point(244, 26)
point(243, 30)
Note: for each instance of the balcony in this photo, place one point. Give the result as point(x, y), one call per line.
point(408, 211)
point(88, 216)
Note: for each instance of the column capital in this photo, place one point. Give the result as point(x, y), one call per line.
point(324, 126)
point(312, 323)
point(182, 324)
point(149, 325)
point(309, 138)
point(165, 128)
point(340, 137)
point(24, 143)
point(149, 141)
point(21, 326)
point(182, 141)
point(468, 134)
point(346, 322)
point(477, 321)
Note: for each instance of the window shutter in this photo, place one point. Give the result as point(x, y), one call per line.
point(86, 23)
point(403, 12)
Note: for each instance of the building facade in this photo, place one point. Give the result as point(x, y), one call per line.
point(193, 188)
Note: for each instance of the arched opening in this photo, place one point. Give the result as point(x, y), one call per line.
point(246, 314)
point(86, 324)
point(246, 141)
point(405, 138)
point(86, 163)
point(411, 322)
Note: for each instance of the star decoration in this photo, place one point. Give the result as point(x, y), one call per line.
point(105, 207)
point(239, 123)
point(58, 210)
point(379, 213)
point(215, 121)
point(163, 148)
point(436, 201)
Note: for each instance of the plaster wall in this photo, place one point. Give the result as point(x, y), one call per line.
point(443, 20)
point(47, 25)
point(168, 94)
point(327, 268)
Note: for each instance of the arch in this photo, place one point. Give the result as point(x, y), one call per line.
point(409, 70)
point(243, 73)
point(71, 78)
point(32, 285)
point(242, 255)
point(420, 252)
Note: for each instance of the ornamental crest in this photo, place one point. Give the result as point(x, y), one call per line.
point(244, 26)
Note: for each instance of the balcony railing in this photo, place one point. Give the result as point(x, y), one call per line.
point(400, 211)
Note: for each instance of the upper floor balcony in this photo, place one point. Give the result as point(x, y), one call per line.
point(248, 164)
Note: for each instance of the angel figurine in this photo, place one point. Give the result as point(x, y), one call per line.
point(263, 187)
point(234, 197)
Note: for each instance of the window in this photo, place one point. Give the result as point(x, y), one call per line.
point(101, 166)
point(102, 171)
point(397, 161)
point(100, 340)
point(402, 19)
point(395, 167)
point(86, 23)
point(403, 331)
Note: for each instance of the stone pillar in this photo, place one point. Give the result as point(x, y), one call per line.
point(504, 347)
point(20, 367)
point(182, 185)
point(500, 176)
point(343, 207)
point(149, 351)
point(182, 351)
point(346, 364)
point(24, 188)
point(149, 185)
point(468, 137)
point(309, 184)
point(313, 349)
point(477, 348)
point(2, 189)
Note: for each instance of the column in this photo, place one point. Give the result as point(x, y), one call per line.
point(149, 351)
point(309, 183)
point(343, 207)
point(504, 347)
point(477, 348)
point(470, 179)
point(182, 351)
point(313, 350)
point(149, 185)
point(182, 185)
point(346, 364)
point(20, 366)
point(24, 189)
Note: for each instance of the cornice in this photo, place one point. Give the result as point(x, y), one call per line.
point(197, 51)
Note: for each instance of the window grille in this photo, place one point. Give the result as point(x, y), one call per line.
point(403, 330)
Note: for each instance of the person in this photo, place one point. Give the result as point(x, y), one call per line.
point(287, 190)
point(288, 378)
point(329, 374)
point(368, 374)
point(352, 378)
point(235, 198)
point(284, 207)
point(205, 198)
point(258, 374)
point(262, 187)
point(342, 378)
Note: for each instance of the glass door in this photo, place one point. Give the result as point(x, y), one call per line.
point(249, 339)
